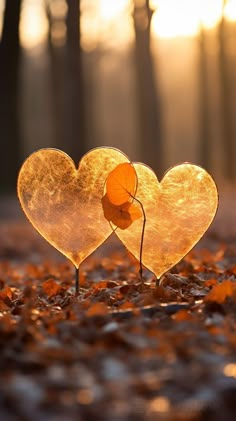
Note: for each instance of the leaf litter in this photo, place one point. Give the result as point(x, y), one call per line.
point(118, 351)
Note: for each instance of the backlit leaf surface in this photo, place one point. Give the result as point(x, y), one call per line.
point(63, 202)
point(178, 210)
point(121, 184)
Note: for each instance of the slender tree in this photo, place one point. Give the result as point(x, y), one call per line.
point(148, 101)
point(56, 56)
point(203, 102)
point(9, 93)
point(74, 103)
point(225, 91)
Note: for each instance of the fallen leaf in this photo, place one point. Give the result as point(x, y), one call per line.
point(50, 287)
point(97, 309)
point(6, 293)
point(220, 292)
point(210, 282)
point(182, 316)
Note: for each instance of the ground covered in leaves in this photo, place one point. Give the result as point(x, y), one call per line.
point(120, 350)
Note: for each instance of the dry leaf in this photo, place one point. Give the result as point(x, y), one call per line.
point(97, 309)
point(63, 203)
point(179, 210)
point(121, 184)
point(118, 206)
point(220, 292)
point(50, 287)
point(121, 216)
point(6, 293)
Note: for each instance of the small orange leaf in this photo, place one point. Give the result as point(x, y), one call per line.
point(126, 305)
point(50, 287)
point(220, 292)
point(211, 282)
point(6, 293)
point(97, 309)
point(121, 184)
point(182, 316)
point(121, 216)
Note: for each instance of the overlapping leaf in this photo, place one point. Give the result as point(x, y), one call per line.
point(178, 210)
point(64, 203)
point(118, 201)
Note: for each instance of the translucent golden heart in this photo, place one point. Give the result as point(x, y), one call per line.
point(178, 210)
point(63, 203)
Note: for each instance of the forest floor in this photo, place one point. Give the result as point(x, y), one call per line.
point(118, 351)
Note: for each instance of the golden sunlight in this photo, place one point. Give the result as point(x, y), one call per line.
point(110, 10)
point(2, 7)
point(109, 23)
point(106, 23)
point(184, 17)
point(230, 370)
point(230, 10)
point(33, 24)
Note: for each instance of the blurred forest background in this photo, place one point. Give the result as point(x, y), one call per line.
point(155, 78)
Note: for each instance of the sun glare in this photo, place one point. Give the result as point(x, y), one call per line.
point(106, 23)
point(109, 22)
point(112, 9)
point(230, 10)
point(184, 17)
point(33, 24)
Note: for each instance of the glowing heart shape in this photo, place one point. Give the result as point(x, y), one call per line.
point(63, 203)
point(179, 209)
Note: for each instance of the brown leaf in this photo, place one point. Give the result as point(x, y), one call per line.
point(121, 216)
point(182, 315)
point(97, 309)
point(6, 293)
point(50, 287)
point(220, 292)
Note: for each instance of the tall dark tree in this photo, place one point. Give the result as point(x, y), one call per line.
point(225, 91)
point(203, 102)
point(74, 103)
point(148, 100)
point(56, 56)
point(9, 101)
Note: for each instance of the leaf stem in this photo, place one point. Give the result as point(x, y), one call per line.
point(142, 239)
point(76, 281)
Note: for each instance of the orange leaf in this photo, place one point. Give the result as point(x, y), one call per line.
point(50, 287)
point(97, 309)
point(211, 282)
point(121, 184)
point(6, 293)
point(182, 316)
point(121, 216)
point(220, 292)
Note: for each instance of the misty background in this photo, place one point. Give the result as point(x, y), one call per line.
point(154, 78)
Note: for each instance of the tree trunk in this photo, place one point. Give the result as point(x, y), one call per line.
point(148, 104)
point(225, 90)
point(56, 55)
point(203, 103)
point(74, 112)
point(9, 84)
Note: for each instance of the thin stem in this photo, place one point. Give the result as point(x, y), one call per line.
point(76, 281)
point(142, 240)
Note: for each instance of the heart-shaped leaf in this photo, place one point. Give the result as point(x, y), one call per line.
point(178, 212)
point(63, 203)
